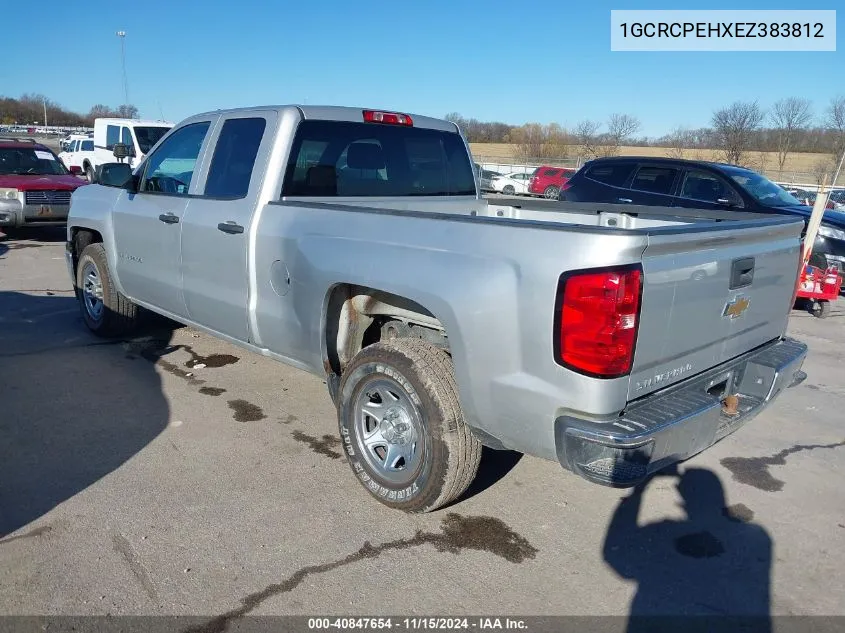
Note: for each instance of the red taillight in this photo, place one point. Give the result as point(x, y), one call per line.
point(598, 315)
point(391, 118)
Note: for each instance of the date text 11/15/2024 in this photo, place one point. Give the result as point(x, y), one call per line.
point(417, 623)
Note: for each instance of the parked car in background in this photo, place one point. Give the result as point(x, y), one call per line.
point(512, 183)
point(808, 198)
point(547, 181)
point(138, 135)
point(485, 177)
point(76, 152)
point(674, 182)
point(67, 140)
point(802, 195)
point(35, 187)
point(353, 244)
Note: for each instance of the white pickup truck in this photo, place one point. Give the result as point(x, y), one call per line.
point(355, 244)
point(78, 151)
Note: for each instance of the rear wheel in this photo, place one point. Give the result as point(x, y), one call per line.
point(105, 311)
point(551, 192)
point(402, 426)
point(89, 173)
point(508, 190)
point(821, 309)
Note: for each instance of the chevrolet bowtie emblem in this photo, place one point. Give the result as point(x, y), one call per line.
point(735, 308)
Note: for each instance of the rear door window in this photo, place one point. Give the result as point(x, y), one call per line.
point(614, 174)
point(87, 146)
point(551, 172)
point(234, 158)
point(339, 158)
point(655, 179)
point(706, 187)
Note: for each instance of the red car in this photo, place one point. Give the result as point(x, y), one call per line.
point(548, 180)
point(35, 186)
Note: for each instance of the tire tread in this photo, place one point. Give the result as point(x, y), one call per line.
point(434, 369)
point(121, 314)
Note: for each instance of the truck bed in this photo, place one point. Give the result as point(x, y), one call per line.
point(688, 257)
point(639, 219)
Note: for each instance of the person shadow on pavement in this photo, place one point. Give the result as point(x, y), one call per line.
point(73, 407)
point(707, 572)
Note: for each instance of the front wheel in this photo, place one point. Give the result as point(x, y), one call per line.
point(89, 173)
point(105, 311)
point(402, 427)
point(551, 193)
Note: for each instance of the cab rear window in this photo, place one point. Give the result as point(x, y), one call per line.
point(340, 159)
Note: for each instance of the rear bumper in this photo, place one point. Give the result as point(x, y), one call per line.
point(675, 424)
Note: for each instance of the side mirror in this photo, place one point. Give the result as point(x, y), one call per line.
point(120, 151)
point(115, 175)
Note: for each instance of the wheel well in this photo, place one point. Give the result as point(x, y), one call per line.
point(358, 316)
point(79, 239)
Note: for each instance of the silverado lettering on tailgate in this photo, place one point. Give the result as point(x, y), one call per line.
point(663, 377)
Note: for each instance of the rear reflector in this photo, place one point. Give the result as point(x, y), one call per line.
point(390, 118)
point(597, 315)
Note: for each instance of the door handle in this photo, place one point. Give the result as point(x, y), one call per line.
point(625, 200)
point(230, 227)
point(169, 218)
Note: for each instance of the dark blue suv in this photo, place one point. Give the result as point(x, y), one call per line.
point(674, 182)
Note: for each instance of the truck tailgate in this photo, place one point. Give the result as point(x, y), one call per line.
point(711, 295)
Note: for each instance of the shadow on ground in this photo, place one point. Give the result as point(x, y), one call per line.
point(494, 466)
point(714, 564)
point(37, 234)
point(73, 408)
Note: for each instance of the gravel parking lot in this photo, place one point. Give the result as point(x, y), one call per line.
point(176, 474)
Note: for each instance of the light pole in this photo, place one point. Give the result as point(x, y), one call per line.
point(122, 36)
point(45, 111)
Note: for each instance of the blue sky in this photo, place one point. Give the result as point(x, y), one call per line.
point(512, 61)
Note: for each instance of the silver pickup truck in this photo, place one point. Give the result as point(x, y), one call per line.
point(354, 244)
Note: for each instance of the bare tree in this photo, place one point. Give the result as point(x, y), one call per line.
point(823, 167)
point(586, 137)
point(788, 117)
point(534, 140)
point(621, 127)
point(734, 127)
point(835, 122)
point(679, 142)
point(127, 111)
